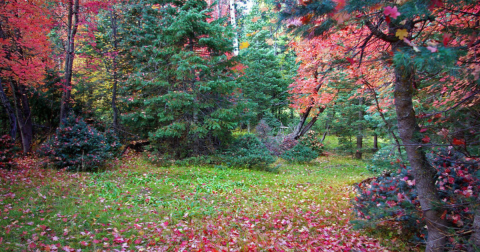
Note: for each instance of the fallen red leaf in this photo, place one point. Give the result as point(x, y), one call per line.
point(458, 141)
point(426, 139)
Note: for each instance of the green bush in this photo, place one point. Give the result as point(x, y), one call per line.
point(249, 152)
point(384, 159)
point(299, 154)
point(79, 146)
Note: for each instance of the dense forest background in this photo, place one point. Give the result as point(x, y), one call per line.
point(246, 84)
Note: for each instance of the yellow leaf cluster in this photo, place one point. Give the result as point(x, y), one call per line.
point(401, 33)
point(244, 45)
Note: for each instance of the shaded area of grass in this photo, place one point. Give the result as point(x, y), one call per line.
point(139, 206)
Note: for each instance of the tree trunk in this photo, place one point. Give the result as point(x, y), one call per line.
point(375, 142)
point(233, 21)
point(475, 238)
point(23, 115)
point(11, 114)
point(300, 130)
point(423, 172)
point(115, 77)
point(327, 126)
point(358, 153)
point(72, 26)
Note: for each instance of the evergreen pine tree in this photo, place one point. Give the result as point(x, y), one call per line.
point(183, 90)
point(265, 82)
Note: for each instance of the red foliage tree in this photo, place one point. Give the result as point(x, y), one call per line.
point(24, 58)
point(420, 42)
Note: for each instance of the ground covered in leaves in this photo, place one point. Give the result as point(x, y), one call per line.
point(139, 206)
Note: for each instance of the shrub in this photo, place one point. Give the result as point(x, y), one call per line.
point(79, 146)
point(272, 143)
point(384, 159)
point(299, 154)
point(393, 198)
point(311, 141)
point(7, 151)
point(288, 143)
point(247, 151)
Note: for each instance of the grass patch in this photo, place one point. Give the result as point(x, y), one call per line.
point(136, 205)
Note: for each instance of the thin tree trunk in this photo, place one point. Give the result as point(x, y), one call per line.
point(70, 54)
point(300, 130)
point(375, 142)
point(475, 238)
point(358, 153)
point(23, 116)
point(383, 118)
point(327, 127)
point(11, 114)
point(423, 172)
point(115, 77)
point(234, 25)
point(27, 120)
point(325, 133)
point(196, 140)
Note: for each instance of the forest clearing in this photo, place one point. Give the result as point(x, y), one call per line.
point(240, 125)
point(138, 206)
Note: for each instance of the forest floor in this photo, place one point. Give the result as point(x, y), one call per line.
point(135, 205)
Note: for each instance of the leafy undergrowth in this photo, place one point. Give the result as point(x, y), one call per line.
point(140, 207)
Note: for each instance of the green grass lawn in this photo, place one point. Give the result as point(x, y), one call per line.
point(138, 206)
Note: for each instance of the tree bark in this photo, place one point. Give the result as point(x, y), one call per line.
point(11, 114)
point(358, 153)
point(423, 172)
point(72, 26)
point(327, 127)
point(233, 21)
point(300, 130)
point(23, 115)
point(375, 142)
point(475, 238)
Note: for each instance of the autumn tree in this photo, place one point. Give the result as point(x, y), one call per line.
point(420, 41)
point(101, 66)
point(24, 58)
point(73, 13)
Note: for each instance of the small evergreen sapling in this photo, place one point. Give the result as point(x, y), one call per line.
point(79, 146)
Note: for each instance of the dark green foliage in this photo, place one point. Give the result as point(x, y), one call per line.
point(249, 152)
point(181, 95)
point(299, 154)
point(79, 146)
point(392, 195)
point(269, 69)
point(384, 159)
